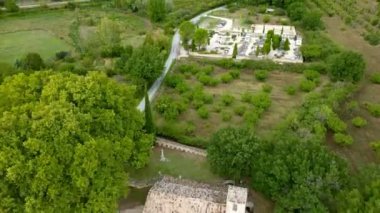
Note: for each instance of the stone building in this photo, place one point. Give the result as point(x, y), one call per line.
point(171, 195)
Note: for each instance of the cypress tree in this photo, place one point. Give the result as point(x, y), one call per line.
point(235, 52)
point(149, 125)
point(287, 45)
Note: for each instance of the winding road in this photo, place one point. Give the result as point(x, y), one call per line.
point(174, 53)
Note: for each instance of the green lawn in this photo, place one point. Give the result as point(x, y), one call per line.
point(180, 164)
point(14, 45)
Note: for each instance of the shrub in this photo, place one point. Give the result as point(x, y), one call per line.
point(32, 61)
point(251, 117)
point(208, 70)
point(312, 75)
point(173, 80)
point(343, 139)
point(62, 55)
point(376, 146)
point(189, 128)
point(267, 88)
point(373, 109)
point(188, 68)
point(226, 116)
point(359, 122)
point(217, 108)
point(169, 108)
point(183, 88)
point(373, 38)
point(246, 97)
point(240, 110)
point(207, 80)
point(227, 99)
point(261, 75)
point(226, 78)
point(266, 18)
point(352, 106)
point(375, 78)
point(291, 90)
point(307, 85)
point(203, 112)
point(235, 74)
point(261, 101)
point(336, 124)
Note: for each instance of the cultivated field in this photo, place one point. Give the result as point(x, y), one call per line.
point(360, 153)
point(208, 103)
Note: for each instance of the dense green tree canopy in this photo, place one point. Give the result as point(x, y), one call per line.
point(347, 66)
point(157, 10)
point(200, 37)
point(364, 193)
point(65, 141)
point(231, 151)
point(186, 30)
point(146, 63)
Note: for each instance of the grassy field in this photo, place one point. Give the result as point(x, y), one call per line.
point(179, 164)
point(238, 112)
point(48, 32)
point(14, 45)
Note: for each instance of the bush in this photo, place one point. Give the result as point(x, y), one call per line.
point(375, 78)
point(251, 117)
point(235, 74)
point(336, 124)
point(261, 101)
point(169, 108)
point(203, 112)
point(261, 75)
point(173, 80)
point(226, 78)
point(347, 66)
point(359, 122)
point(266, 18)
point(267, 88)
point(217, 108)
point(227, 99)
point(62, 55)
point(189, 128)
point(188, 68)
point(307, 85)
point(183, 88)
point(291, 90)
point(312, 75)
point(376, 146)
point(32, 61)
point(207, 80)
point(226, 116)
point(240, 110)
point(373, 38)
point(373, 109)
point(246, 97)
point(343, 139)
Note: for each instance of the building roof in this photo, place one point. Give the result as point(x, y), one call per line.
point(237, 195)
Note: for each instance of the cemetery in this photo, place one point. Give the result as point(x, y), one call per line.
point(280, 43)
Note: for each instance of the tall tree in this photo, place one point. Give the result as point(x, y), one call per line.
point(287, 45)
point(235, 51)
point(347, 66)
point(200, 38)
point(146, 63)
point(149, 124)
point(230, 152)
point(65, 141)
point(157, 10)
point(186, 30)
